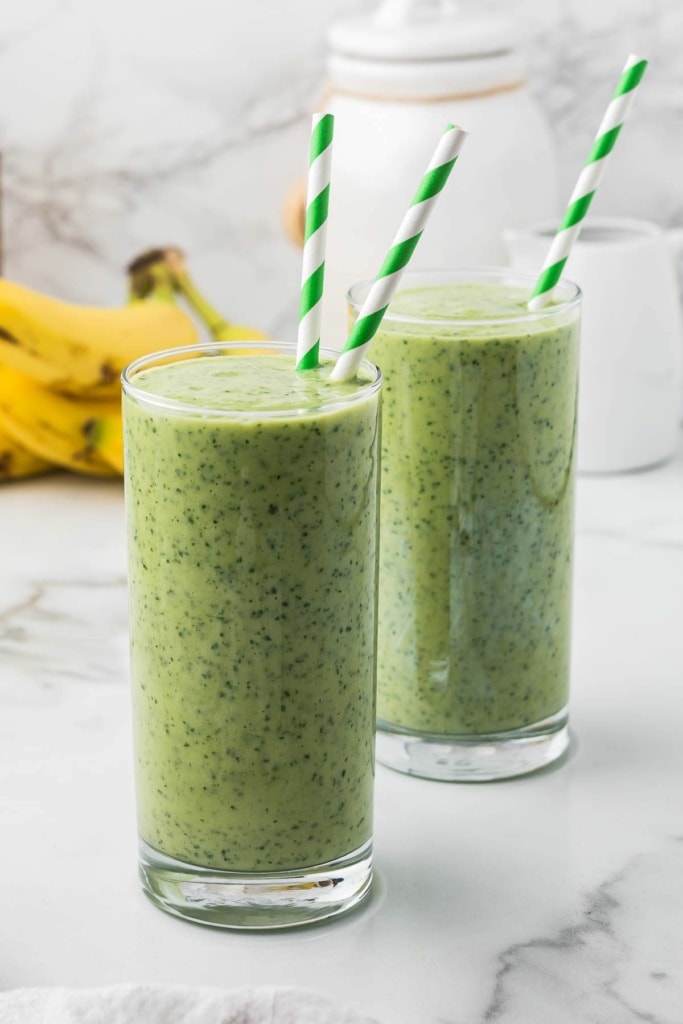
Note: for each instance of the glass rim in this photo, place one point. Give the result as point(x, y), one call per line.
point(168, 356)
point(421, 278)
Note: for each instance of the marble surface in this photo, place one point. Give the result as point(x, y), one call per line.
point(558, 897)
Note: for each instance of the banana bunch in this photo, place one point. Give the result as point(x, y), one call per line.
point(83, 434)
point(60, 365)
point(17, 462)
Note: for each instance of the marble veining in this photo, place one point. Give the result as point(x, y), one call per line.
point(66, 630)
point(600, 960)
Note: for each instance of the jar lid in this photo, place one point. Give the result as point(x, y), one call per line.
point(421, 31)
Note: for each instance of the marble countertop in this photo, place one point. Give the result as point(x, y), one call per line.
point(555, 898)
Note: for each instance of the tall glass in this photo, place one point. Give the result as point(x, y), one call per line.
point(251, 495)
point(478, 452)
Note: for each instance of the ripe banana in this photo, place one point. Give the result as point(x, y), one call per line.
point(60, 365)
point(81, 350)
point(105, 436)
point(170, 264)
point(17, 462)
point(77, 433)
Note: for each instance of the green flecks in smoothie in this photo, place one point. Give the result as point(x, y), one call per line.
point(476, 513)
point(252, 600)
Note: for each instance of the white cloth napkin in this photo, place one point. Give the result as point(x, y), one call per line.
point(155, 1004)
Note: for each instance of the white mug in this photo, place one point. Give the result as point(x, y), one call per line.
point(631, 338)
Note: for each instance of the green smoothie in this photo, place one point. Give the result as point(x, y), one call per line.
point(479, 428)
point(251, 498)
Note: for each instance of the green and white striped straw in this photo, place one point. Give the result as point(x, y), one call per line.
point(588, 182)
point(407, 237)
point(315, 235)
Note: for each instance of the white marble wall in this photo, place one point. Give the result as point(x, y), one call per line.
point(143, 122)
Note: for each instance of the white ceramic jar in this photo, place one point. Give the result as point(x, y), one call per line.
point(395, 79)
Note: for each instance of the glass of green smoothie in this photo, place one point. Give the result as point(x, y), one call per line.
point(251, 497)
point(477, 492)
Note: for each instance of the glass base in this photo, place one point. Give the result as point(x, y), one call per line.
point(232, 899)
point(485, 758)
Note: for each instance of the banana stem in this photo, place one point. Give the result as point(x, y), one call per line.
point(163, 274)
point(214, 322)
point(150, 277)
